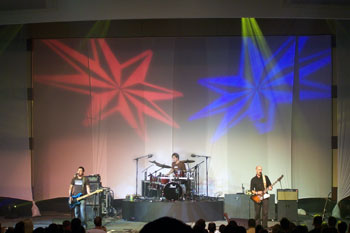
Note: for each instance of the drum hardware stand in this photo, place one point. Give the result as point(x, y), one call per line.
point(145, 171)
point(155, 172)
point(137, 167)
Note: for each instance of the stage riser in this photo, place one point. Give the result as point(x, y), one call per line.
point(241, 206)
point(187, 211)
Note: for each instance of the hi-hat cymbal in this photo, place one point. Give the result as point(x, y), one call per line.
point(187, 161)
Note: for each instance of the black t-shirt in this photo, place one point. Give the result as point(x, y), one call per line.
point(79, 185)
point(257, 183)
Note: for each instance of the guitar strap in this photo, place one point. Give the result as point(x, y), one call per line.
point(264, 181)
point(84, 184)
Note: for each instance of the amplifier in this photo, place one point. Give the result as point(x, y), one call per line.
point(94, 178)
point(94, 199)
point(95, 184)
point(287, 194)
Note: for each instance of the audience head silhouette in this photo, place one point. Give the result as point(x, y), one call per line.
point(166, 224)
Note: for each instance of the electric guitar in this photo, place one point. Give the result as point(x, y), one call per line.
point(258, 198)
point(77, 198)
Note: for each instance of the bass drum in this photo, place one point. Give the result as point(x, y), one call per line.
point(172, 191)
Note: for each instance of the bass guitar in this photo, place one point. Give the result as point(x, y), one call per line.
point(77, 198)
point(258, 198)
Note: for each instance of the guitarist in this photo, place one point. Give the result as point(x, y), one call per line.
point(259, 185)
point(79, 185)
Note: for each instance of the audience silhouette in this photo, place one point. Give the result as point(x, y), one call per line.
point(172, 225)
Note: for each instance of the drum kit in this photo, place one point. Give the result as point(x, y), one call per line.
point(181, 185)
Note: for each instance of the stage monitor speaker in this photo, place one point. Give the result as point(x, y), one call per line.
point(92, 211)
point(237, 205)
point(287, 194)
point(287, 209)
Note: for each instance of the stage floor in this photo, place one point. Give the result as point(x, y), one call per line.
point(116, 224)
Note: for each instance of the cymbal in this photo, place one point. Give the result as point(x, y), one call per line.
point(160, 165)
point(187, 161)
point(163, 165)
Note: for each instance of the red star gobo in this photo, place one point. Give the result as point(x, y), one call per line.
point(110, 90)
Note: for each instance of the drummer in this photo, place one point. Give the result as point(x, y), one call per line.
point(178, 167)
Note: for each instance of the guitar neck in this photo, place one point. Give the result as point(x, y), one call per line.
point(279, 179)
point(274, 183)
point(89, 194)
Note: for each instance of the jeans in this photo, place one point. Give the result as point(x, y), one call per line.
point(264, 205)
point(80, 212)
point(183, 186)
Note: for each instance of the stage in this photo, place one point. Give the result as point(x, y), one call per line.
point(131, 216)
point(187, 211)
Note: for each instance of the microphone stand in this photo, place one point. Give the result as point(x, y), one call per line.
point(325, 206)
point(206, 171)
point(145, 171)
point(137, 169)
point(196, 169)
point(155, 172)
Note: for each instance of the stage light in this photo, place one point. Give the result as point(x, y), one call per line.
point(101, 77)
point(264, 81)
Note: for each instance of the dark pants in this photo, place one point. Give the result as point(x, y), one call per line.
point(264, 206)
point(80, 212)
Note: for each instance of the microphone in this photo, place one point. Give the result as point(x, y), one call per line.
point(199, 156)
point(144, 156)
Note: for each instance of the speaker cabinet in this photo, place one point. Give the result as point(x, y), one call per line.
point(287, 209)
point(96, 198)
point(92, 211)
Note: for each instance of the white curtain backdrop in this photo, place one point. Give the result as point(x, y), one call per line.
point(15, 159)
point(102, 103)
point(343, 74)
